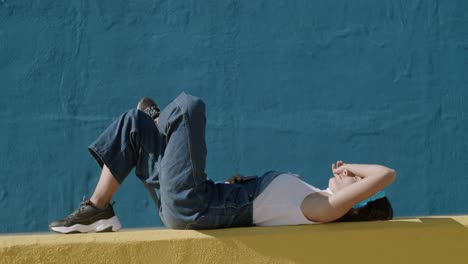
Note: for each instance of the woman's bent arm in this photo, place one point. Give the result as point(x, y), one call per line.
point(321, 208)
point(365, 170)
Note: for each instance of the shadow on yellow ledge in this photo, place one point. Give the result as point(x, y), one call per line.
point(416, 240)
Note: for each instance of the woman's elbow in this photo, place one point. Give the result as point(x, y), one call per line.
point(391, 175)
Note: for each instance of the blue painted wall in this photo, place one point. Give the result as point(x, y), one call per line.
point(290, 85)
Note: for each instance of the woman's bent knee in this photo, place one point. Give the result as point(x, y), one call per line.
point(191, 104)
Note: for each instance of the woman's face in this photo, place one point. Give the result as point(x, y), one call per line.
point(339, 182)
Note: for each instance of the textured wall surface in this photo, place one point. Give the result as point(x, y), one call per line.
point(289, 85)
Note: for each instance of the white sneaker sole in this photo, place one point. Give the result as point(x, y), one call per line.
point(111, 224)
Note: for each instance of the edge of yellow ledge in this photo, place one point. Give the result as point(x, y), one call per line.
point(432, 239)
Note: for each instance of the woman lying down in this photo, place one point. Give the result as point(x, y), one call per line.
point(167, 150)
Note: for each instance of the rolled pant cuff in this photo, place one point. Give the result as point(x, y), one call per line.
point(101, 159)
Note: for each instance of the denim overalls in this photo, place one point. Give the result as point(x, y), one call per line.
point(169, 158)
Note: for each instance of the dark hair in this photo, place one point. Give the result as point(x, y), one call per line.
point(380, 209)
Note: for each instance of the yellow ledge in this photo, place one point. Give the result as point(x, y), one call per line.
point(417, 240)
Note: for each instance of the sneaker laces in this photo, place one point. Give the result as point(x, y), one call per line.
point(83, 203)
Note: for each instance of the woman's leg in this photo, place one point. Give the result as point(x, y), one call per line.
point(105, 188)
point(169, 158)
point(131, 141)
point(185, 193)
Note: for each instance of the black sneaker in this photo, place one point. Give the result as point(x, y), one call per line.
point(148, 106)
point(88, 218)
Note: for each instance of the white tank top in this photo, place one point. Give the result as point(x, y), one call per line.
point(280, 203)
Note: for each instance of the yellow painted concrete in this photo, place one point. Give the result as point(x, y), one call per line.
point(441, 239)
